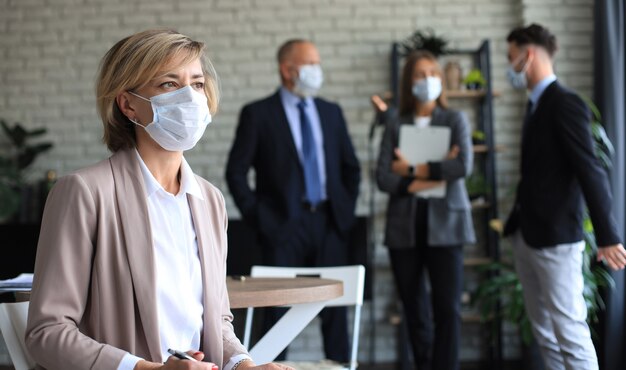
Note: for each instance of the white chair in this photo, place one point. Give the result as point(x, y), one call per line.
point(13, 326)
point(353, 278)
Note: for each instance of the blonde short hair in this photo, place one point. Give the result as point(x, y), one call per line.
point(133, 62)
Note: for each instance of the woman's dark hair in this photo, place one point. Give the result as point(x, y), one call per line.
point(536, 35)
point(407, 100)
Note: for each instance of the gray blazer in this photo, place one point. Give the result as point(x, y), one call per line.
point(449, 218)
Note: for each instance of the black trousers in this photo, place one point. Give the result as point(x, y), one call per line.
point(433, 318)
point(314, 242)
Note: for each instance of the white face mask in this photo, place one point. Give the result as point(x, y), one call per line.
point(179, 118)
point(309, 81)
point(517, 79)
point(427, 89)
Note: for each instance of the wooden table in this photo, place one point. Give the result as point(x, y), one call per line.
point(306, 296)
point(269, 292)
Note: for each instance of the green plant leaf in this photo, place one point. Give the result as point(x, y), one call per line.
point(10, 200)
point(14, 160)
point(37, 132)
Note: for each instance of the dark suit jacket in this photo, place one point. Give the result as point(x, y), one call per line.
point(558, 168)
point(264, 142)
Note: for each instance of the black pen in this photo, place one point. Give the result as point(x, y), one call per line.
point(181, 355)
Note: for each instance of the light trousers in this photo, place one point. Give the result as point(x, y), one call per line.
point(553, 285)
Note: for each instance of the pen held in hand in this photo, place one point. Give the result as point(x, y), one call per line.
point(181, 355)
point(184, 356)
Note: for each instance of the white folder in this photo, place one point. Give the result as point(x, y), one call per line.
point(421, 145)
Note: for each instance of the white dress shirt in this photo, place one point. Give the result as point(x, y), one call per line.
point(178, 271)
point(422, 121)
point(538, 90)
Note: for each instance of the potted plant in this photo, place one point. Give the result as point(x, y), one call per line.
point(476, 185)
point(424, 40)
point(474, 80)
point(14, 161)
point(478, 137)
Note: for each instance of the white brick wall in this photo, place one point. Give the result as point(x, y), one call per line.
point(49, 52)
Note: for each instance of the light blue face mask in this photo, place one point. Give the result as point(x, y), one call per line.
point(427, 89)
point(309, 80)
point(517, 79)
point(179, 118)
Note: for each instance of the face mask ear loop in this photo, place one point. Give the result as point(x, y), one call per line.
point(140, 97)
point(136, 123)
point(137, 95)
point(527, 64)
point(525, 67)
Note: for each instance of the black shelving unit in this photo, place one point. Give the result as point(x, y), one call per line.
point(485, 159)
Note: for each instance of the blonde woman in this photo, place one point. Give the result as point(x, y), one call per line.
point(131, 257)
point(427, 234)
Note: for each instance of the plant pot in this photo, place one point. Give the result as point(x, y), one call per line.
point(473, 86)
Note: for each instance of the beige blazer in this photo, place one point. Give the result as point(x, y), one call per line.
point(93, 296)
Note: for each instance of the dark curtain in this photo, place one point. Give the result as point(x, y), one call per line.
point(610, 97)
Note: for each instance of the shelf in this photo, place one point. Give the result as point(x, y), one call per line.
point(466, 317)
point(476, 261)
point(471, 317)
point(470, 94)
point(482, 148)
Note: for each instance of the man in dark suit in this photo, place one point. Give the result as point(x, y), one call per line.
point(307, 177)
point(559, 170)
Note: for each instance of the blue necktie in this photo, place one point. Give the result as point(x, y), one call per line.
point(309, 158)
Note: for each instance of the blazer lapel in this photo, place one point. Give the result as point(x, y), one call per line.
point(437, 119)
point(283, 130)
point(530, 121)
point(544, 100)
point(135, 223)
point(205, 224)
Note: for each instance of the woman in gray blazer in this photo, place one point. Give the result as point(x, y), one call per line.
point(427, 234)
point(131, 259)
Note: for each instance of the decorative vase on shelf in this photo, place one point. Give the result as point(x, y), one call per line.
point(453, 74)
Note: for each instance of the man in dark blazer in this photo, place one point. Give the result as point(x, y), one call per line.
point(559, 170)
point(306, 177)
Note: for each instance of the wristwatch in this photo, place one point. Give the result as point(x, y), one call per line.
point(411, 171)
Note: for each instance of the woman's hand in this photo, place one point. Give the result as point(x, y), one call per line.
point(419, 185)
point(400, 166)
point(454, 152)
point(174, 363)
point(378, 103)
